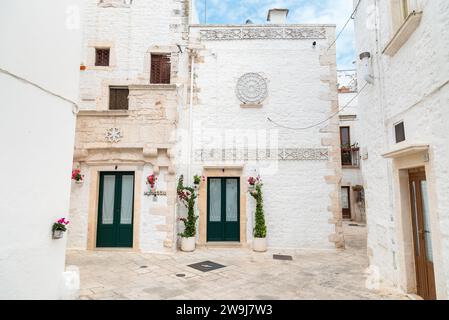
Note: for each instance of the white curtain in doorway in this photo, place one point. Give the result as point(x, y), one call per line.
point(107, 216)
point(126, 212)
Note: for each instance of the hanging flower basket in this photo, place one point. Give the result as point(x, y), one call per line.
point(59, 227)
point(77, 176)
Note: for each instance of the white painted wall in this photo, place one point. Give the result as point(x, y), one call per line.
point(295, 200)
point(130, 31)
point(410, 86)
point(37, 132)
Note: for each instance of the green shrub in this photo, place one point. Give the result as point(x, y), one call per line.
point(260, 229)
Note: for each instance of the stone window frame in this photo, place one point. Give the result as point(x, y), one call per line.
point(102, 103)
point(172, 51)
point(403, 24)
point(91, 55)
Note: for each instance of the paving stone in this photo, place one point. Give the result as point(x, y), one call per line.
point(312, 274)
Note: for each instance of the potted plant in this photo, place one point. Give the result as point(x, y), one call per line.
point(196, 182)
point(151, 182)
point(187, 196)
point(77, 176)
point(260, 229)
point(252, 183)
point(59, 227)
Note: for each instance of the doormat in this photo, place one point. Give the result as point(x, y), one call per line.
point(206, 266)
point(282, 257)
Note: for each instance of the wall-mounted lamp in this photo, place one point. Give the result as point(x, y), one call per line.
point(366, 67)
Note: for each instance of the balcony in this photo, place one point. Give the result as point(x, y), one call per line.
point(350, 156)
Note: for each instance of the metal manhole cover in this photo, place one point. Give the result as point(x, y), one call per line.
point(282, 257)
point(206, 266)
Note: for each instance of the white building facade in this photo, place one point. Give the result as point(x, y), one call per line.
point(254, 87)
point(403, 68)
point(352, 191)
point(160, 98)
point(39, 76)
point(133, 74)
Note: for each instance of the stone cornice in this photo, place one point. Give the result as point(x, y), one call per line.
point(262, 32)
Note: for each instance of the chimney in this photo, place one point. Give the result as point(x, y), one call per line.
point(277, 16)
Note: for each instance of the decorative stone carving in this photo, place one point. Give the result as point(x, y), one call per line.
point(251, 88)
point(283, 154)
point(115, 3)
point(266, 32)
point(113, 135)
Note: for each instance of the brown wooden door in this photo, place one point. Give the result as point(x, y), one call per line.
point(346, 202)
point(425, 276)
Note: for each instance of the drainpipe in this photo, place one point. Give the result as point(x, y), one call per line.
point(189, 167)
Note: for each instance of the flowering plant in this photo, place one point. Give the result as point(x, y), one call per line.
point(253, 181)
point(76, 175)
point(60, 225)
point(187, 196)
point(151, 180)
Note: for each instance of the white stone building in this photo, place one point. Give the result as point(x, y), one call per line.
point(352, 191)
point(250, 82)
point(39, 59)
point(404, 62)
point(133, 75)
point(136, 80)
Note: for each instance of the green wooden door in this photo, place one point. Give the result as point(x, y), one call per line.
point(223, 209)
point(115, 210)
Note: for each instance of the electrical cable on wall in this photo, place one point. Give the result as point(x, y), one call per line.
point(75, 105)
point(323, 121)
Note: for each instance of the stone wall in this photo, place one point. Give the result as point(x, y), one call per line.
point(302, 209)
point(147, 131)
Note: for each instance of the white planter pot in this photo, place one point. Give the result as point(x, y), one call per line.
point(58, 234)
point(188, 244)
point(251, 188)
point(260, 244)
point(196, 187)
point(79, 182)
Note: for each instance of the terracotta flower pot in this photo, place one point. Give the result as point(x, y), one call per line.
point(188, 244)
point(82, 67)
point(260, 244)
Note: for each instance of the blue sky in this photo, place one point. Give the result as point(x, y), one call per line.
point(301, 11)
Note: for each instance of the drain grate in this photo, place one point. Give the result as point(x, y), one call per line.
point(206, 266)
point(282, 257)
point(143, 267)
point(181, 275)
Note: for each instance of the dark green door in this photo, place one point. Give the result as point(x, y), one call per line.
point(115, 210)
point(223, 209)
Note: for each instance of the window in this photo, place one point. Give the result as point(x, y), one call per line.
point(118, 98)
point(399, 132)
point(102, 57)
point(160, 68)
point(345, 137)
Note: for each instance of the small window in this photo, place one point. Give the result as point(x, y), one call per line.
point(399, 132)
point(160, 68)
point(102, 57)
point(118, 98)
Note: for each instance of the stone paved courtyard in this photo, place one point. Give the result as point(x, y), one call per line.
point(325, 274)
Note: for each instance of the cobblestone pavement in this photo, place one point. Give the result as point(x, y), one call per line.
point(312, 274)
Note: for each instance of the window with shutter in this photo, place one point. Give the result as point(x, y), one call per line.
point(160, 68)
point(118, 98)
point(102, 57)
point(399, 131)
